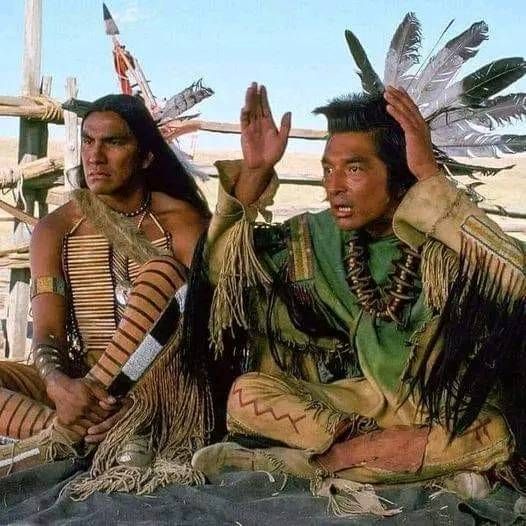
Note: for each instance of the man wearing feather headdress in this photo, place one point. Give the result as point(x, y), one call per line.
point(385, 333)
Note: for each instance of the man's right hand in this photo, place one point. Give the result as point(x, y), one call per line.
point(262, 144)
point(78, 401)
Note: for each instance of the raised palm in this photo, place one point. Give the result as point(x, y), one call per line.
point(262, 143)
point(419, 148)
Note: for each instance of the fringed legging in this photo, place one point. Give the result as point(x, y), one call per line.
point(25, 408)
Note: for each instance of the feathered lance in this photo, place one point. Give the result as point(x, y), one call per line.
point(131, 75)
point(126, 65)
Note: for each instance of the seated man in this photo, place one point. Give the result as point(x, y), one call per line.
point(109, 271)
point(378, 330)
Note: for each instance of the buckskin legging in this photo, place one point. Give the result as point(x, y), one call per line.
point(25, 408)
point(323, 422)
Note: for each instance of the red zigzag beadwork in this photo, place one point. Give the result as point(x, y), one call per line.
point(270, 410)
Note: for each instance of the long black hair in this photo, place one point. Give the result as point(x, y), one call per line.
point(165, 173)
point(367, 113)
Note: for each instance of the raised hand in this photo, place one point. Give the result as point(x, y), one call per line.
point(262, 143)
point(419, 149)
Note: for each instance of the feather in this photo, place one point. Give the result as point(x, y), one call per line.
point(445, 64)
point(430, 53)
point(403, 51)
point(455, 131)
point(479, 86)
point(459, 114)
point(484, 145)
point(501, 111)
point(371, 82)
point(454, 167)
point(495, 112)
point(187, 162)
point(184, 100)
point(491, 79)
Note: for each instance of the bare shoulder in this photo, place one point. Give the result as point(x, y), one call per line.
point(47, 236)
point(176, 211)
point(58, 222)
point(183, 221)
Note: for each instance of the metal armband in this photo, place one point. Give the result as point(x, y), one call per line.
point(48, 285)
point(47, 360)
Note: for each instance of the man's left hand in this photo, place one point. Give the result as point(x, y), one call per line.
point(419, 149)
point(97, 433)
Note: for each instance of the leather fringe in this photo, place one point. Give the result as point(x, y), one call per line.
point(240, 271)
point(121, 232)
point(439, 268)
point(483, 331)
point(175, 411)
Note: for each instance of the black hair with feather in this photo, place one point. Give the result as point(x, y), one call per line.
point(363, 112)
point(462, 114)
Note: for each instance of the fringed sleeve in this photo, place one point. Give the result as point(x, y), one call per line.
point(481, 300)
point(232, 262)
point(434, 210)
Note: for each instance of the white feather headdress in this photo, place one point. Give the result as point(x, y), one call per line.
point(462, 114)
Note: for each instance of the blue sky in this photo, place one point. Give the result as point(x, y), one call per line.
point(296, 48)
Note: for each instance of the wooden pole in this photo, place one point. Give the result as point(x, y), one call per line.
point(38, 108)
point(72, 150)
point(32, 48)
point(18, 214)
point(31, 172)
point(33, 137)
point(227, 127)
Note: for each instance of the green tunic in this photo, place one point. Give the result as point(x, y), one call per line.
point(382, 348)
point(434, 217)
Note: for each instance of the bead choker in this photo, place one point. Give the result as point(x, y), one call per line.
point(145, 205)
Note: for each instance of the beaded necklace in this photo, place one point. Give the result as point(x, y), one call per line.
point(143, 207)
point(386, 303)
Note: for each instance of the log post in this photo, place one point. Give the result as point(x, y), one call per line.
point(72, 150)
point(33, 137)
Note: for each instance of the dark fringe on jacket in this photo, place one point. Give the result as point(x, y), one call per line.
point(484, 338)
